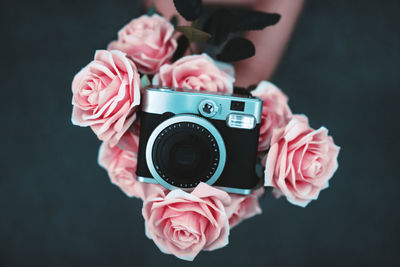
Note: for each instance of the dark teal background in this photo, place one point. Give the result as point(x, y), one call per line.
point(58, 208)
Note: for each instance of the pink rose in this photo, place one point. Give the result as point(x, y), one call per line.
point(105, 95)
point(275, 112)
point(120, 162)
point(243, 207)
point(301, 161)
point(183, 224)
point(148, 41)
point(197, 72)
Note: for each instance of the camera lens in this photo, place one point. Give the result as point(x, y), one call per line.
point(185, 153)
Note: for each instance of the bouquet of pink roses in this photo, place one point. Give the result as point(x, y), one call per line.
point(298, 161)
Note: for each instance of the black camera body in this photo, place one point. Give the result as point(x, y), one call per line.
point(188, 137)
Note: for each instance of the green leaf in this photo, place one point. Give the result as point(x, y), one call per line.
point(145, 81)
point(250, 20)
point(238, 48)
point(194, 23)
point(189, 9)
point(152, 11)
point(219, 25)
point(183, 44)
point(193, 34)
point(174, 20)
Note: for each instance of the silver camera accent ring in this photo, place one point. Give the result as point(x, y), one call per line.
point(210, 103)
point(185, 118)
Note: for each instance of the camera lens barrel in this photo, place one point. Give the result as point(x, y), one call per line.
point(185, 150)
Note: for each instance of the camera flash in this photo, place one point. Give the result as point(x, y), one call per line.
point(241, 121)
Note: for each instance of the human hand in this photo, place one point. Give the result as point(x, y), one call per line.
point(270, 43)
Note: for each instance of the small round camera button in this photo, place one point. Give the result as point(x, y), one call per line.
point(208, 108)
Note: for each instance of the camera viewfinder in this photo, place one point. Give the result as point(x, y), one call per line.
point(237, 105)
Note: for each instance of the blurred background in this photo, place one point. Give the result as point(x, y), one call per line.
point(58, 208)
